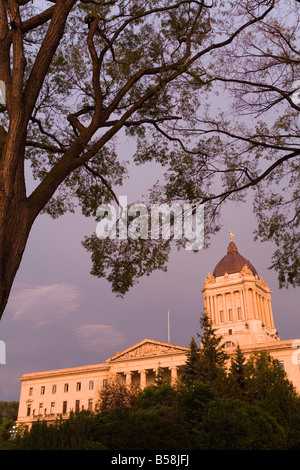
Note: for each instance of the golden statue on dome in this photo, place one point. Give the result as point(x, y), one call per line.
point(231, 234)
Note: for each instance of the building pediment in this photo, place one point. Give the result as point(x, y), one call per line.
point(147, 348)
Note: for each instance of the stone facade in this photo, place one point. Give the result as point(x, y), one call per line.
point(239, 305)
point(53, 394)
point(237, 300)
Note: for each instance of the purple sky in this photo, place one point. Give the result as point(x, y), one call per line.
point(60, 316)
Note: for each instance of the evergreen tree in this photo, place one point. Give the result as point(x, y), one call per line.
point(212, 357)
point(237, 369)
point(161, 378)
point(263, 373)
point(190, 370)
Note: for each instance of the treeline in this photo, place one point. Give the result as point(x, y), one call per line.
point(8, 416)
point(250, 406)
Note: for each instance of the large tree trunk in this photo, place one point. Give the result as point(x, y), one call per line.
point(15, 225)
point(16, 215)
point(17, 211)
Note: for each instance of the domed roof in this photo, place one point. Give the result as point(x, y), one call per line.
point(233, 262)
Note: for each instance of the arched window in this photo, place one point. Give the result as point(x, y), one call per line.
point(229, 344)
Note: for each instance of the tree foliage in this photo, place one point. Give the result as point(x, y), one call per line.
point(78, 74)
point(263, 374)
point(247, 137)
point(189, 371)
point(195, 417)
point(9, 409)
point(235, 425)
point(237, 370)
point(205, 364)
point(116, 394)
point(142, 429)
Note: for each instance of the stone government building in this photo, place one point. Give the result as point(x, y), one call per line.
point(237, 300)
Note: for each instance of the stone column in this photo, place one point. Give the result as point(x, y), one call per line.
point(235, 314)
point(246, 313)
point(258, 306)
point(260, 309)
point(143, 374)
point(128, 376)
point(255, 312)
point(225, 316)
point(270, 313)
point(263, 304)
point(214, 308)
point(248, 304)
point(173, 370)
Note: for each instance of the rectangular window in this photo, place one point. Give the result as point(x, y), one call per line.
point(251, 303)
point(42, 390)
point(77, 405)
point(220, 307)
point(66, 387)
point(237, 302)
point(90, 405)
point(31, 391)
point(41, 408)
point(28, 409)
point(229, 306)
point(239, 312)
point(78, 386)
point(91, 385)
point(221, 316)
point(52, 408)
point(64, 407)
point(281, 364)
point(53, 388)
point(105, 383)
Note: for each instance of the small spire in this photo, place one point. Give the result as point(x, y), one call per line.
point(231, 247)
